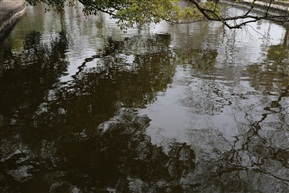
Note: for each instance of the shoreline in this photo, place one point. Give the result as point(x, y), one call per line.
point(276, 6)
point(10, 13)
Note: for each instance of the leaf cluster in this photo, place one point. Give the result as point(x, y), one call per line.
point(138, 12)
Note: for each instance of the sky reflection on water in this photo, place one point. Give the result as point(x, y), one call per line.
point(187, 108)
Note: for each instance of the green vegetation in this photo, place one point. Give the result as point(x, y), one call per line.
point(137, 12)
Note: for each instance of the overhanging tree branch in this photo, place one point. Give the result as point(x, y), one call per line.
point(212, 15)
point(143, 11)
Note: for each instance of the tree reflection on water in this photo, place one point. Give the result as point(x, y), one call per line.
point(51, 139)
point(86, 134)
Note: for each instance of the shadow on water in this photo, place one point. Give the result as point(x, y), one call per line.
point(26, 76)
point(60, 137)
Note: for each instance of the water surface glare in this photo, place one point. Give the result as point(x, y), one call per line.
point(86, 107)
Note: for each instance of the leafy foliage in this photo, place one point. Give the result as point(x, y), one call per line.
point(137, 12)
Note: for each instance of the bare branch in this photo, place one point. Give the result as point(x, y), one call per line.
point(213, 16)
point(251, 8)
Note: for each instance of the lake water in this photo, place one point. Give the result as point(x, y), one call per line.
point(188, 108)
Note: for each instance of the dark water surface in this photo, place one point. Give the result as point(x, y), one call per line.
point(187, 108)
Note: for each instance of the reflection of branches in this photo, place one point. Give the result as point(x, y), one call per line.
point(69, 125)
point(253, 154)
point(116, 155)
point(110, 48)
point(37, 68)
